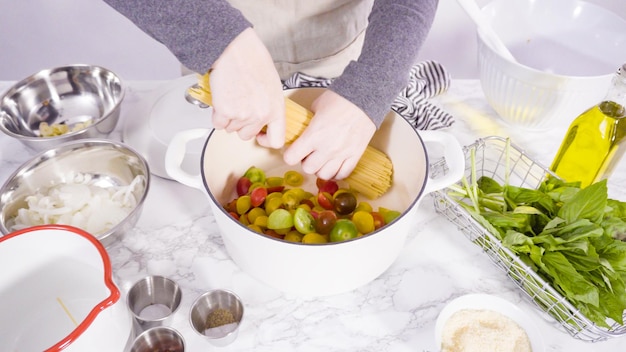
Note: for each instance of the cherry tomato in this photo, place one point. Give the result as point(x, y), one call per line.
point(293, 236)
point(365, 206)
point(243, 204)
point(325, 200)
point(293, 178)
point(390, 216)
point(273, 203)
point(329, 186)
point(257, 196)
point(303, 221)
point(344, 203)
point(274, 181)
point(243, 185)
point(274, 189)
point(308, 202)
point(379, 220)
point(255, 174)
point(280, 219)
point(255, 228)
point(364, 221)
point(255, 213)
point(314, 238)
point(274, 234)
point(343, 230)
point(325, 221)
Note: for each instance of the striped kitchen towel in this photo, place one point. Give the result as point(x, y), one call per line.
point(427, 79)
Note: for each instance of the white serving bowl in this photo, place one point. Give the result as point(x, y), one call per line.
point(567, 51)
point(322, 269)
point(479, 301)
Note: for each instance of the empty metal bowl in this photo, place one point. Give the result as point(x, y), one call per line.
point(61, 104)
point(159, 339)
point(89, 184)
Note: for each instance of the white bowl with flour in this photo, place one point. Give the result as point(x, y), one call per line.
point(482, 322)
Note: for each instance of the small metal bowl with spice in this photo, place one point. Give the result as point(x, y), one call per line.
point(217, 315)
point(62, 104)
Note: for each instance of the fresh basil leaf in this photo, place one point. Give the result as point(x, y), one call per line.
point(588, 203)
point(615, 254)
point(488, 185)
point(520, 222)
point(617, 209)
point(615, 227)
point(517, 242)
point(569, 279)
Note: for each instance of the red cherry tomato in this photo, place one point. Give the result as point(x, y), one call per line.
point(379, 220)
point(329, 186)
point(273, 189)
point(258, 195)
point(325, 200)
point(243, 186)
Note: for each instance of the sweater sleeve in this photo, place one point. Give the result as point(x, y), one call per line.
point(395, 33)
point(196, 32)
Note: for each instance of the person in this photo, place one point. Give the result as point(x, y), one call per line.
point(367, 48)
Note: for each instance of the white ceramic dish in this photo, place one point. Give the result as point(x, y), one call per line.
point(567, 51)
point(494, 303)
point(150, 129)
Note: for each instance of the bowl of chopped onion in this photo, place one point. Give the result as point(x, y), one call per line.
point(61, 104)
point(96, 185)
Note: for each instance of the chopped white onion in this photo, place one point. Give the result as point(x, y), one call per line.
point(78, 203)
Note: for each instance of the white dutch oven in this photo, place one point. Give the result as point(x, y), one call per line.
point(57, 293)
point(326, 269)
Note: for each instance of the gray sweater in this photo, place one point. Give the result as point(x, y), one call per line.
point(395, 33)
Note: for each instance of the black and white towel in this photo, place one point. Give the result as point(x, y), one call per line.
point(427, 79)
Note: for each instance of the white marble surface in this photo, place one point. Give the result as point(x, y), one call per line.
point(176, 236)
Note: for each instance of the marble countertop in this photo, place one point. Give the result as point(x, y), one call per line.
point(177, 237)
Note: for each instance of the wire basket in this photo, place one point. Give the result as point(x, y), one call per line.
point(493, 160)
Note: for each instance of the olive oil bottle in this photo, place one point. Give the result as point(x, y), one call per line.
point(596, 140)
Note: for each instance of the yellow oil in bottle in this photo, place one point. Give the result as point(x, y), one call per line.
point(593, 144)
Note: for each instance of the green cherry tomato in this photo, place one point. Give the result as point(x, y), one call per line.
point(303, 221)
point(390, 216)
point(255, 174)
point(280, 219)
point(343, 230)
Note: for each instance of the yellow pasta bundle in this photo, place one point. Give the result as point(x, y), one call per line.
point(372, 175)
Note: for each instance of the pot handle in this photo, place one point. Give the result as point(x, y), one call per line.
point(175, 154)
point(454, 157)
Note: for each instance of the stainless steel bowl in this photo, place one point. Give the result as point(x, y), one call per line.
point(161, 338)
point(69, 95)
point(95, 162)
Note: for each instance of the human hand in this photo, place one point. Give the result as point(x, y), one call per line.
point(333, 142)
point(247, 92)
